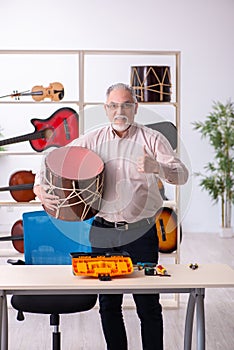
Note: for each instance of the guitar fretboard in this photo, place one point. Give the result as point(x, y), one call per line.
point(32, 136)
point(17, 187)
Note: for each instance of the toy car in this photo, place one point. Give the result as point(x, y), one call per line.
point(160, 270)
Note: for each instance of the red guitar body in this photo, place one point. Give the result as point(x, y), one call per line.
point(64, 128)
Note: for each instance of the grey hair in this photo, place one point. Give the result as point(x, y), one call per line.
point(119, 86)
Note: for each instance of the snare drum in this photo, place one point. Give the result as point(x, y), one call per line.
point(74, 174)
point(151, 83)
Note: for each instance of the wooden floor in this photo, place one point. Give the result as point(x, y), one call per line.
point(83, 331)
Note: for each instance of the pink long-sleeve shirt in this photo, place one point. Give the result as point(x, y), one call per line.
point(128, 194)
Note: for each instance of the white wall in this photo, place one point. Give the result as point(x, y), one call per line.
point(202, 30)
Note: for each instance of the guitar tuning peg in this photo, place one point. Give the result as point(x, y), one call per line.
point(16, 95)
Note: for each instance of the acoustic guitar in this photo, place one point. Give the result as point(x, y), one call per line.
point(21, 186)
point(17, 236)
point(58, 130)
point(167, 226)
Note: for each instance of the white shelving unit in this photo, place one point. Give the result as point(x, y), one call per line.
point(85, 75)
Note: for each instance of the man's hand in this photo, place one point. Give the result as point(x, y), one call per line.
point(48, 200)
point(146, 164)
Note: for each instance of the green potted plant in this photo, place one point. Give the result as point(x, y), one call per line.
point(218, 179)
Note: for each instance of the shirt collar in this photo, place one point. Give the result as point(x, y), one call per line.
point(129, 132)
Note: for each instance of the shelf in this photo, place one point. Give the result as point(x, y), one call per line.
point(10, 202)
point(20, 204)
point(130, 52)
point(174, 104)
point(168, 255)
point(128, 302)
point(89, 52)
point(21, 153)
point(169, 204)
point(35, 102)
point(86, 63)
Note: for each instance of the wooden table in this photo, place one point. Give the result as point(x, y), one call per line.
point(59, 279)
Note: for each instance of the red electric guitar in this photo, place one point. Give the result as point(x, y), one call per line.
point(58, 130)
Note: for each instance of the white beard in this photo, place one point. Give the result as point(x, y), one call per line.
point(120, 126)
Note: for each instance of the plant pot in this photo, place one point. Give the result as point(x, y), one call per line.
point(226, 232)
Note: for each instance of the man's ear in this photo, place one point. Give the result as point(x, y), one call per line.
point(136, 107)
point(105, 107)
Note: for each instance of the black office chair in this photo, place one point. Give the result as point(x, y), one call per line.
point(54, 305)
point(44, 243)
point(168, 129)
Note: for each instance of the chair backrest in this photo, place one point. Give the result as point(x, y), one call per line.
point(50, 241)
point(168, 129)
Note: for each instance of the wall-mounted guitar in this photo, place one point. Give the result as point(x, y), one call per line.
point(21, 186)
point(55, 91)
point(167, 226)
point(17, 236)
point(58, 130)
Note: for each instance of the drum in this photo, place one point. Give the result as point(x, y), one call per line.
point(76, 175)
point(151, 83)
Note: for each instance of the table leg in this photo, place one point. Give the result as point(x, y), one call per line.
point(188, 333)
point(196, 298)
point(1, 316)
point(3, 322)
point(200, 319)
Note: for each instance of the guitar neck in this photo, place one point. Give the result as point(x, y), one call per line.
point(31, 93)
point(17, 187)
point(32, 136)
point(12, 238)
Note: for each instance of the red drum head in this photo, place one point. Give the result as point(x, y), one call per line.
point(75, 174)
point(74, 163)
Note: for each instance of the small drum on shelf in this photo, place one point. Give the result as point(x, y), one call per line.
point(151, 83)
point(74, 174)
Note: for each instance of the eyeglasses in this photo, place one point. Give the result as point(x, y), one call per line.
point(125, 105)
